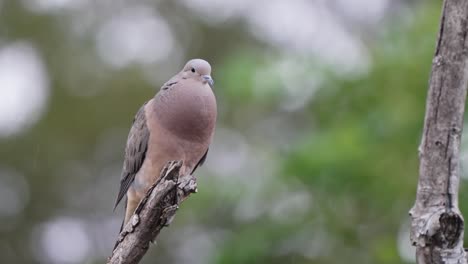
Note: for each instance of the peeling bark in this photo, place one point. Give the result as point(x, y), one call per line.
point(437, 224)
point(154, 212)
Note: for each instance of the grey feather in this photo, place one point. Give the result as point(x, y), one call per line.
point(135, 152)
point(201, 161)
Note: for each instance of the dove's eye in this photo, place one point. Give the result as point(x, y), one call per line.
point(193, 69)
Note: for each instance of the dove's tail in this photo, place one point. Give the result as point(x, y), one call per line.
point(121, 226)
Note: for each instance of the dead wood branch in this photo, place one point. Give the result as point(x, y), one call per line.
point(154, 212)
point(437, 224)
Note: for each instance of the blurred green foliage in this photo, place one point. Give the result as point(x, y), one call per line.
point(351, 155)
point(360, 160)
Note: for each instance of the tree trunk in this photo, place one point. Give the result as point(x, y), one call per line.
point(437, 224)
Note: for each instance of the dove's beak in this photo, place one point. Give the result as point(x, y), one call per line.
point(209, 80)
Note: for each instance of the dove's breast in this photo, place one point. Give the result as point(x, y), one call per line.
point(187, 109)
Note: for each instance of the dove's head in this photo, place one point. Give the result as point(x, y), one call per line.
point(200, 69)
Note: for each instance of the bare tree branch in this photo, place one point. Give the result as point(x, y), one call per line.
point(154, 212)
point(437, 224)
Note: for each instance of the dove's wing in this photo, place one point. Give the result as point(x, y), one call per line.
point(135, 152)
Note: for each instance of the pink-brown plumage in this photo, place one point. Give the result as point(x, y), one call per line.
point(177, 124)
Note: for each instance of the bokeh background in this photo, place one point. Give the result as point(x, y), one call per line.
point(321, 107)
